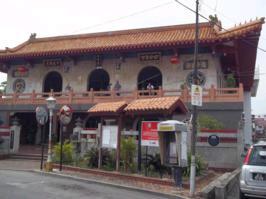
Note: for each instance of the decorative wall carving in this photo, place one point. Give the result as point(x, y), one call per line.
point(201, 77)
point(19, 85)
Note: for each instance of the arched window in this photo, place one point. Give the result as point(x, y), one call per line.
point(149, 74)
point(98, 80)
point(53, 80)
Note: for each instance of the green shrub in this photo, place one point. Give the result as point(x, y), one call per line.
point(109, 162)
point(91, 157)
point(199, 165)
point(209, 122)
point(154, 164)
point(128, 152)
point(108, 158)
point(67, 152)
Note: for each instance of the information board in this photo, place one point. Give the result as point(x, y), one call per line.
point(196, 95)
point(149, 133)
point(109, 136)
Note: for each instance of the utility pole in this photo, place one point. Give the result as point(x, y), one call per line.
point(195, 111)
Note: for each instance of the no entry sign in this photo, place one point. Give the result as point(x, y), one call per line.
point(149, 133)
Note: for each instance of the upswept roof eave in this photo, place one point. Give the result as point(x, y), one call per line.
point(243, 28)
point(110, 41)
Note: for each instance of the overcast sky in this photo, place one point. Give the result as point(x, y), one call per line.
point(19, 18)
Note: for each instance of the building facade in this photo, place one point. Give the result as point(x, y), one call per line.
point(83, 70)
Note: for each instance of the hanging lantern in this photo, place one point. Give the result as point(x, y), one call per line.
point(22, 69)
point(174, 59)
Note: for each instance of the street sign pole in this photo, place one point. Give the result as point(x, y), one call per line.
point(41, 117)
point(65, 116)
point(195, 111)
point(42, 143)
point(61, 147)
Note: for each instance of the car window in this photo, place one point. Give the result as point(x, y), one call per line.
point(256, 158)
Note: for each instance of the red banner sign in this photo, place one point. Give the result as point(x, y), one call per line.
point(149, 133)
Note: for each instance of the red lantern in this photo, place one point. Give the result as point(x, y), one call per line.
point(22, 69)
point(174, 59)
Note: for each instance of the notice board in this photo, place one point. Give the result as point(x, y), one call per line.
point(149, 133)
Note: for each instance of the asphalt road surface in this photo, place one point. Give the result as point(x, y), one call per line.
point(29, 185)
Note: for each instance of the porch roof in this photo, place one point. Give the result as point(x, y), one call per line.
point(160, 105)
point(107, 108)
point(156, 105)
point(167, 36)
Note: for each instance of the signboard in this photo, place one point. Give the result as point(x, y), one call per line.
point(149, 57)
point(65, 114)
point(130, 132)
point(109, 136)
point(196, 95)
point(202, 64)
point(52, 62)
point(213, 140)
point(41, 115)
point(149, 133)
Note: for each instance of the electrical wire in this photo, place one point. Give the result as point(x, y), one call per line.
point(220, 13)
point(124, 17)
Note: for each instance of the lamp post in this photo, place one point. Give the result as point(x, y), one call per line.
point(51, 102)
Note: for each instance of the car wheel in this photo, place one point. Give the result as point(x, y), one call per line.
point(242, 195)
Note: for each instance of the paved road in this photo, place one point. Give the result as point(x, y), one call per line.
point(28, 185)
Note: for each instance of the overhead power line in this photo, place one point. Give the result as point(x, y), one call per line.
point(215, 10)
point(206, 18)
point(124, 17)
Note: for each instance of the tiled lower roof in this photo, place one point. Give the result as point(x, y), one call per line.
point(157, 105)
point(108, 108)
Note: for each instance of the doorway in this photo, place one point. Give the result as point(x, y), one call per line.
point(53, 81)
point(98, 80)
point(149, 74)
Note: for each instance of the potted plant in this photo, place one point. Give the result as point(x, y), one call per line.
point(230, 81)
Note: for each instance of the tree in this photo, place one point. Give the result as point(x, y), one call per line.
point(209, 122)
point(128, 151)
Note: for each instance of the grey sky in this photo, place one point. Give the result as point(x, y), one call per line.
point(60, 17)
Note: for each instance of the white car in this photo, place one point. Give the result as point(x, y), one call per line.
point(253, 174)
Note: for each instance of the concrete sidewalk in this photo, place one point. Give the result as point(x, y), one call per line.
point(17, 164)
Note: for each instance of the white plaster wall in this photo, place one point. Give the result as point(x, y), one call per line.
point(173, 74)
point(248, 122)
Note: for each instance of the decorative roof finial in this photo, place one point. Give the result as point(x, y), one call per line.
point(32, 36)
point(215, 22)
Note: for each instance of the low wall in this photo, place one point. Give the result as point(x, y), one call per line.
point(219, 148)
point(4, 141)
point(224, 187)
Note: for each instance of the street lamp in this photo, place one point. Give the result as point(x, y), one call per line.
point(51, 102)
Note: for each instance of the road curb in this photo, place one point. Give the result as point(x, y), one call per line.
point(86, 180)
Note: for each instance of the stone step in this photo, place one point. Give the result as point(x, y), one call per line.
point(27, 156)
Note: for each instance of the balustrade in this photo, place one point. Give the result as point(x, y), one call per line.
point(70, 97)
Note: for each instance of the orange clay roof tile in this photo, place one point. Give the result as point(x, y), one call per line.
point(127, 39)
point(108, 107)
point(154, 104)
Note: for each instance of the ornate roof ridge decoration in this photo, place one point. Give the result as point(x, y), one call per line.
point(154, 37)
point(250, 26)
